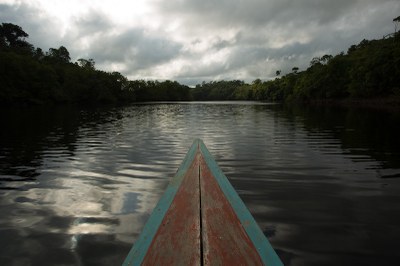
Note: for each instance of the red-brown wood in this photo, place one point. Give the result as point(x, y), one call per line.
point(177, 241)
point(201, 227)
point(224, 240)
point(200, 220)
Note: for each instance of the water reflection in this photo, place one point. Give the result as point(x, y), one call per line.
point(77, 186)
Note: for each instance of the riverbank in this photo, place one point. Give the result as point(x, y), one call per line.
point(382, 103)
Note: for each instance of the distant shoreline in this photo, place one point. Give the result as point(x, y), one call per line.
point(380, 103)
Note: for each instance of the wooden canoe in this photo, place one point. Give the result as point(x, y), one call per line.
point(200, 220)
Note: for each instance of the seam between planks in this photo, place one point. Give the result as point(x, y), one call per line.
point(200, 214)
point(252, 229)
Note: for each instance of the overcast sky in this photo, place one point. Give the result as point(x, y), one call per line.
point(195, 40)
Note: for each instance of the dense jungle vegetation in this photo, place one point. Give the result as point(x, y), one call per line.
point(28, 75)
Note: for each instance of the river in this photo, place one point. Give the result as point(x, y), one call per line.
point(77, 185)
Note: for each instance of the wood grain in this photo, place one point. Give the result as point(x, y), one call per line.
point(201, 220)
point(225, 241)
point(177, 241)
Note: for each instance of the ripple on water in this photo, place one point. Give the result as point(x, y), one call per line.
point(82, 184)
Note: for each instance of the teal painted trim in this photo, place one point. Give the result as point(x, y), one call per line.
point(264, 248)
point(139, 249)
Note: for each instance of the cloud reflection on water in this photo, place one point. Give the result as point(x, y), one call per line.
point(99, 174)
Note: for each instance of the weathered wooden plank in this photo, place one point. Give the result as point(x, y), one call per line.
point(257, 237)
point(141, 246)
point(225, 241)
point(177, 241)
point(200, 219)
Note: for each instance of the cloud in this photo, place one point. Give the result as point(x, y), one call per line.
point(93, 35)
point(259, 13)
point(43, 28)
point(195, 40)
point(277, 34)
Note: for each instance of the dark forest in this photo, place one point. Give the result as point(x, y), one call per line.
point(31, 76)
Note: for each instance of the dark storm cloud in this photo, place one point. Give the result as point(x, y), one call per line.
point(281, 34)
point(251, 60)
point(94, 35)
point(133, 48)
point(258, 13)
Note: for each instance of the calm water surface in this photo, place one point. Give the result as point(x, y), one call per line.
point(77, 186)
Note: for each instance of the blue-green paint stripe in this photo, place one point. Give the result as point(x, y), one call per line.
point(139, 249)
point(264, 248)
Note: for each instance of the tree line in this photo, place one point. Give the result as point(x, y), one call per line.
point(370, 69)
point(28, 75)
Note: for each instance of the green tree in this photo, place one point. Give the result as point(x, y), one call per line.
point(88, 64)
point(60, 55)
point(396, 23)
point(13, 36)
